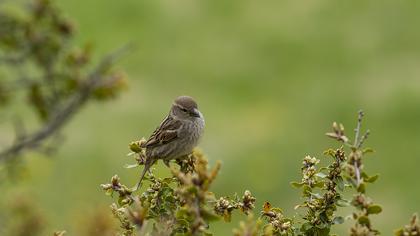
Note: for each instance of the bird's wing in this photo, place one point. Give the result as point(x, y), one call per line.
point(165, 133)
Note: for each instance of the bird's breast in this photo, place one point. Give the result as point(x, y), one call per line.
point(192, 131)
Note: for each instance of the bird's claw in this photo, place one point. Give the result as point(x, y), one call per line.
point(166, 162)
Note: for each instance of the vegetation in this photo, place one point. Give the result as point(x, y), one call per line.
point(47, 76)
point(54, 75)
point(182, 204)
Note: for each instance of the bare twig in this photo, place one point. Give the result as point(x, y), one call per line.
point(358, 142)
point(363, 138)
point(356, 167)
point(61, 116)
point(357, 130)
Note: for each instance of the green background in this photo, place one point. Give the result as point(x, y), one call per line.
point(270, 77)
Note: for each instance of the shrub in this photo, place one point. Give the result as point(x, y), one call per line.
point(54, 75)
point(182, 204)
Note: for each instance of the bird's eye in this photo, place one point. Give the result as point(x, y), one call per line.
point(183, 109)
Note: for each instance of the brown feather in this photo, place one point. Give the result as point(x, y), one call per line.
point(165, 133)
point(186, 102)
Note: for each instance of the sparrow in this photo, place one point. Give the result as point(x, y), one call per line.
point(176, 136)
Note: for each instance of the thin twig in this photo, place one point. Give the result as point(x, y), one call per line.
point(356, 167)
point(363, 138)
point(357, 130)
point(358, 142)
point(70, 108)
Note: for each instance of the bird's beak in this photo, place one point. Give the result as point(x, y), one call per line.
point(195, 113)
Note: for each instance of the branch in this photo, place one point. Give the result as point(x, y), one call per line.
point(357, 130)
point(59, 118)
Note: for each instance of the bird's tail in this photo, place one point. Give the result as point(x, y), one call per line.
point(147, 166)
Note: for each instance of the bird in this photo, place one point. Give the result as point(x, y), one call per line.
point(177, 135)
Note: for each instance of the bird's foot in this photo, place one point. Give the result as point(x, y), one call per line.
point(166, 162)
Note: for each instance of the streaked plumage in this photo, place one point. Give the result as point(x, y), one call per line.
point(176, 136)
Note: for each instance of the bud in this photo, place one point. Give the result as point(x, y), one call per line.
point(136, 145)
point(115, 180)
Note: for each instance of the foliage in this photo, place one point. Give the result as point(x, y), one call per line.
point(45, 74)
point(411, 229)
point(59, 233)
point(40, 61)
point(177, 205)
point(24, 217)
point(183, 205)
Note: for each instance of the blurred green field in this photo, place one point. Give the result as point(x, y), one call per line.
point(270, 77)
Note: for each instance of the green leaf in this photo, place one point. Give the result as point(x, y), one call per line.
point(319, 184)
point(340, 183)
point(182, 222)
point(192, 190)
point(342, 203)
point(330, 152)
point(120, 200)
point(374, 209)
point(368, 150)
point(209, 216)
point(306, 227)
point(131, 153)
point(277, 210)
point(170, 199)
point(321, 175)
point(364, 220)
point(181, 213)
point(399, 232)
point(109, 192)
point(296, 184)
point(306, 189)
point(361, 188)
point(168, 180)
point(129, 166)
point(316, 195)
point(298, 206)
point(338, 220)
point(371, 179)
point(364, 175)
point(351, 181)
point(323, 232)
point(324, 218)
point(323, 168)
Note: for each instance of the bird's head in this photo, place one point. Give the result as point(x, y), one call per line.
point(184, 107)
